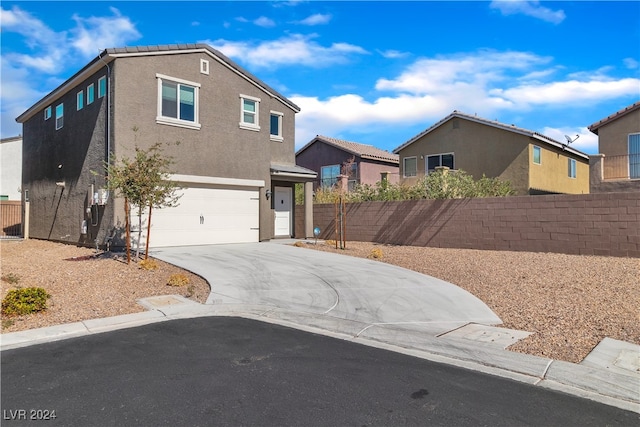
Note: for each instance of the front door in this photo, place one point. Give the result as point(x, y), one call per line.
point(282, 205)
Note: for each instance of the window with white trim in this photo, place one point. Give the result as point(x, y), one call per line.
point(409, 166)
point(102, 86)
point(537, 155)
point(47, 113)
point(249, 112)
point(59, 116)
point(572, 168)
point(437, 160)
point(90, 93)
point(275, 126)
point(178, 103)
point(80, 100)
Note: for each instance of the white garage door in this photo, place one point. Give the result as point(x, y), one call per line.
point(207, 215)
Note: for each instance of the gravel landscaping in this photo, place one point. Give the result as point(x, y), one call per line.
point(569, 302)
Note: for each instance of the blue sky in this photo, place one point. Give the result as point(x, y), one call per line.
point(366, 71)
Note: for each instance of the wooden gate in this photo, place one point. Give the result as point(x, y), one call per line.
point(10, 218)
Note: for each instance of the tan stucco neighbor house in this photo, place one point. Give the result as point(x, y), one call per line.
point(328, 157)
point(617, 166)
point(230, 135)
point(532, 162)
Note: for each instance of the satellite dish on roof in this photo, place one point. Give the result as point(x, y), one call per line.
point(569, 140)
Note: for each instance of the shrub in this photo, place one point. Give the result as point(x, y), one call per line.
point(298, 244)
point(148, 264)
point(178, 279)
point(376, 253)
point(23, 301)
point(330, 242)
point(11, 278)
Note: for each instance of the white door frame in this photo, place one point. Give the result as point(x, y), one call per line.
point(279, 201)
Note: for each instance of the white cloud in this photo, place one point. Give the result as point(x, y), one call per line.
point(317, 19)
point(393, 54)
point(491, 84)
point(295, 49)
point(529, 8)
point(631, 63)
point(94, 34)
point(586, 141)
point(264, 22)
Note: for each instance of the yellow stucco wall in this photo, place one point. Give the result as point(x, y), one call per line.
point(552, 174)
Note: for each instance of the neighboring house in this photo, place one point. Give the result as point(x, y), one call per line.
point(331, 157)
point(231, 137)
point(11, 168)
point(533, 163)
point(617, 166)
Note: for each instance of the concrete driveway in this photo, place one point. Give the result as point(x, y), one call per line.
point(354, 294)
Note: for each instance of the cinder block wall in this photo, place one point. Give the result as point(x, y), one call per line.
point(591, 224)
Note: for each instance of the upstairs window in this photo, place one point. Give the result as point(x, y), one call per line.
point(177, 102)
point(329, 175)
point(438, 160)
point(409, 166)
point(102, 87)
point(80, 100)
point(249, 112)
point(47, 113)
point(275, 126)
point(537, 155)
point(90, 93)
point(572, 168)
point(59, 116)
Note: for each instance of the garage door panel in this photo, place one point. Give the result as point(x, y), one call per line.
point(207, 216)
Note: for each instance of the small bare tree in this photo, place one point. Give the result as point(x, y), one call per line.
point(144, 183)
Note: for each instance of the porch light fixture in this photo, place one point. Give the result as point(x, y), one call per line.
point(267, 194)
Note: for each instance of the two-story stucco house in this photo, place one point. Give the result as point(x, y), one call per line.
point(617, 166)
point(230, 135)
point(532, 162)
point(328, 157)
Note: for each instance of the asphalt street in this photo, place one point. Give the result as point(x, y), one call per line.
point(226, 371)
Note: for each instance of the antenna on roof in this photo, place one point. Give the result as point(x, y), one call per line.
point(569, 140)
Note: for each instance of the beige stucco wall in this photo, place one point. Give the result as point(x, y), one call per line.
point(220, 148)
point(478, 149)
point(613, 137)
point(552, 174)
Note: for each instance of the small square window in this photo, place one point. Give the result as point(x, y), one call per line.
point(537, 155)
point(204, 66)
point(275, 126)
point(80, 100)
point(409, 166)
point(572, 168)
point(177, 102)
point(47, 113)
point(102, 87)
point(90, 93)
point(59, 116)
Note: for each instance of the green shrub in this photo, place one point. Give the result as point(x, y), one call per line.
point(23, 301)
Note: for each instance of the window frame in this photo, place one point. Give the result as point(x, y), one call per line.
point(439, 155)
point(634, 158)
point(47, 113)
point(176, 121)
point(404, 166)
point(572, 168)
point(533, 158)
point(91, 94)
point(60, 118)
point(102, 87)
point(276, 137)
point(256, 114)
point(80, 100)
point(334, 179)
point(204, 66)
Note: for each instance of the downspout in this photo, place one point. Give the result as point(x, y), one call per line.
point(108, 132)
